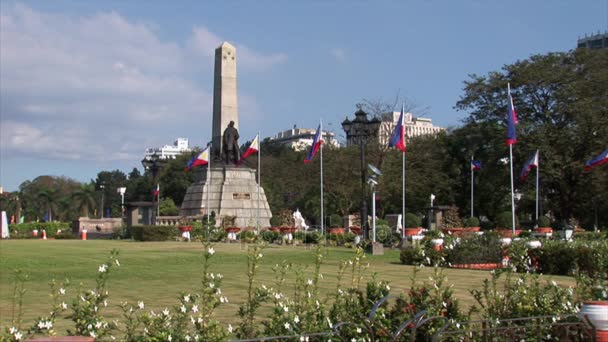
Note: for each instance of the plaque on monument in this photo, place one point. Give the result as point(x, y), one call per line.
point(241, 196)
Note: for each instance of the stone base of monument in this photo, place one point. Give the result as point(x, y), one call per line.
point(232, 191)
point(375, 248)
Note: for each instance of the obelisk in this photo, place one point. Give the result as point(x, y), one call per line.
point(225, 189)
point(225, 104)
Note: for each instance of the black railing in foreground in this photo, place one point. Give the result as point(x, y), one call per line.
point(538, 328)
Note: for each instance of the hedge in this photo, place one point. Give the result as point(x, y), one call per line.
point(24, 230)
point(154, 233)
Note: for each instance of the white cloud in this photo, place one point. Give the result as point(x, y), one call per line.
point(338, 54)
point(81, 87)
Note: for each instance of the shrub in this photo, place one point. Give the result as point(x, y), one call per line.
point(335, 221)
point(505, 220)
point(247, 236)
point(65, 235)
point(476, 249)
point(270, 237)
point(543, 221)
point(154, 233)
point(384, 235)
point(471, 222)
point(412, 220)
point(24, 230)
point(451, 218)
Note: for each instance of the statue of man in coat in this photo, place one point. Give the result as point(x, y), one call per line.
point(230, 144)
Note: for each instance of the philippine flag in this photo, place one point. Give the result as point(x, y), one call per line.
point(198, 160)
point(597, 161)
point(316, 145)
point(253, 148)
point(511, 119)
point(398, 137)
point(475, 165)
point(530, 164)
point(157, 190)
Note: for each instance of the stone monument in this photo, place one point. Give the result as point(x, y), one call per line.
point(226, 188)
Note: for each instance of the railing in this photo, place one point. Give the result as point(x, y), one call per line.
point(537, 328)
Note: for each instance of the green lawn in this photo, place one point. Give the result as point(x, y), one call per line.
point(156, 272)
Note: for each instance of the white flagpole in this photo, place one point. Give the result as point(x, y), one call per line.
point(321, 147)
point(157, 202)
point(208, 182)
point(403, 194)
point(537, 177)
point(259, 178)
point(472, 179)
point(512, 190)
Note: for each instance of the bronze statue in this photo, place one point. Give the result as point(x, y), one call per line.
point(230, 146)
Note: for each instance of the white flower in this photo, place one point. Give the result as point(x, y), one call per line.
point(285, 308)
point(64, 306)
point(98, 325)
point(192, 320)
point(260, 255)
point(553, 283)
point(329, 322)
point(18, 336)
point(358, 330)
point(321, 275)
point(12, 330)
point(296, 319)
point(117, 262)
point(230, 328)
point(145, 331)
point(219, 276)
point(186, 298)
point(303, 338)
point(199, 320)
point(604, 294)
point(287, 326)
point(105, 303)
point(224, 299)
point(388, 288)
point(183, 309)
point(195, 308)
point(309, 281)
point(62, 291)
point(102, 268)
point(169, 338)
point(211, 251)
point(166, 312)
point(353, 340)
point(187, 338)
point(140, 305)
point(211, 285)
point(82, 299)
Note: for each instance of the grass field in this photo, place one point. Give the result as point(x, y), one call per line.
point(156, 272)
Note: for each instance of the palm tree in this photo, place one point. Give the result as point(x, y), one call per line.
point(84, 199)
point(49, 199)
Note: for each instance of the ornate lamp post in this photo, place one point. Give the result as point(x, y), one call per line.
point(358, 132)
point(153, 163)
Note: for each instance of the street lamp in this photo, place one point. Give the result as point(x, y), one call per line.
point(372, 183)
point(122, 191)
point(358, 132)
point(102, 188)
point(431, 211)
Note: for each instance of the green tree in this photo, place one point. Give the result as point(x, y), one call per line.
point(107, 183)
point(85, 199)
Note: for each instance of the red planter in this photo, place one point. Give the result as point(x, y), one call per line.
point(356, 230)
point(412, 231)
point(487, 266)
point(287, 230)
point(543, 230)
point(460, 231)
point(232, 229)
point(336, 231)
point(185, 228)
point(274, 229)
point(508, 232)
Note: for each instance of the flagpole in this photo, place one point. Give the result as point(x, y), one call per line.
point(403, 195)
point(157, 202)
point(208, 181)
point(321, 156)
point(259, 179)
point(472, 196)
point(537, 177)
point(512, 190)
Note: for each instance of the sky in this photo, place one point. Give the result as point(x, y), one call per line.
point(87, 86)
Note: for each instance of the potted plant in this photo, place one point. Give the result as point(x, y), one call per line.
point(543, 226)
point(336, 228)
point(504, 220)
point(412, 224)
point(452, 224)
point(184, 224)
point(471, 224)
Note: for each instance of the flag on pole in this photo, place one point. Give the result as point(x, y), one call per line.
point(597, 161)
point(254, 147)
point(475, 165)
point(398, 137)
point(157, 190)
point(316, 145)
point(530, 164)
point(200, 159)
point(511, 119)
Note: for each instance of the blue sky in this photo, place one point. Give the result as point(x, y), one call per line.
point(87, 86)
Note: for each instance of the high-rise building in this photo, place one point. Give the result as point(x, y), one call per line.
point(299, 139)
point(413, 126)
point(180, 145)
point(595, 41)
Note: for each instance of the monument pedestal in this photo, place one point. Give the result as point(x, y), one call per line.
point(375, 248)
point(233, 191)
